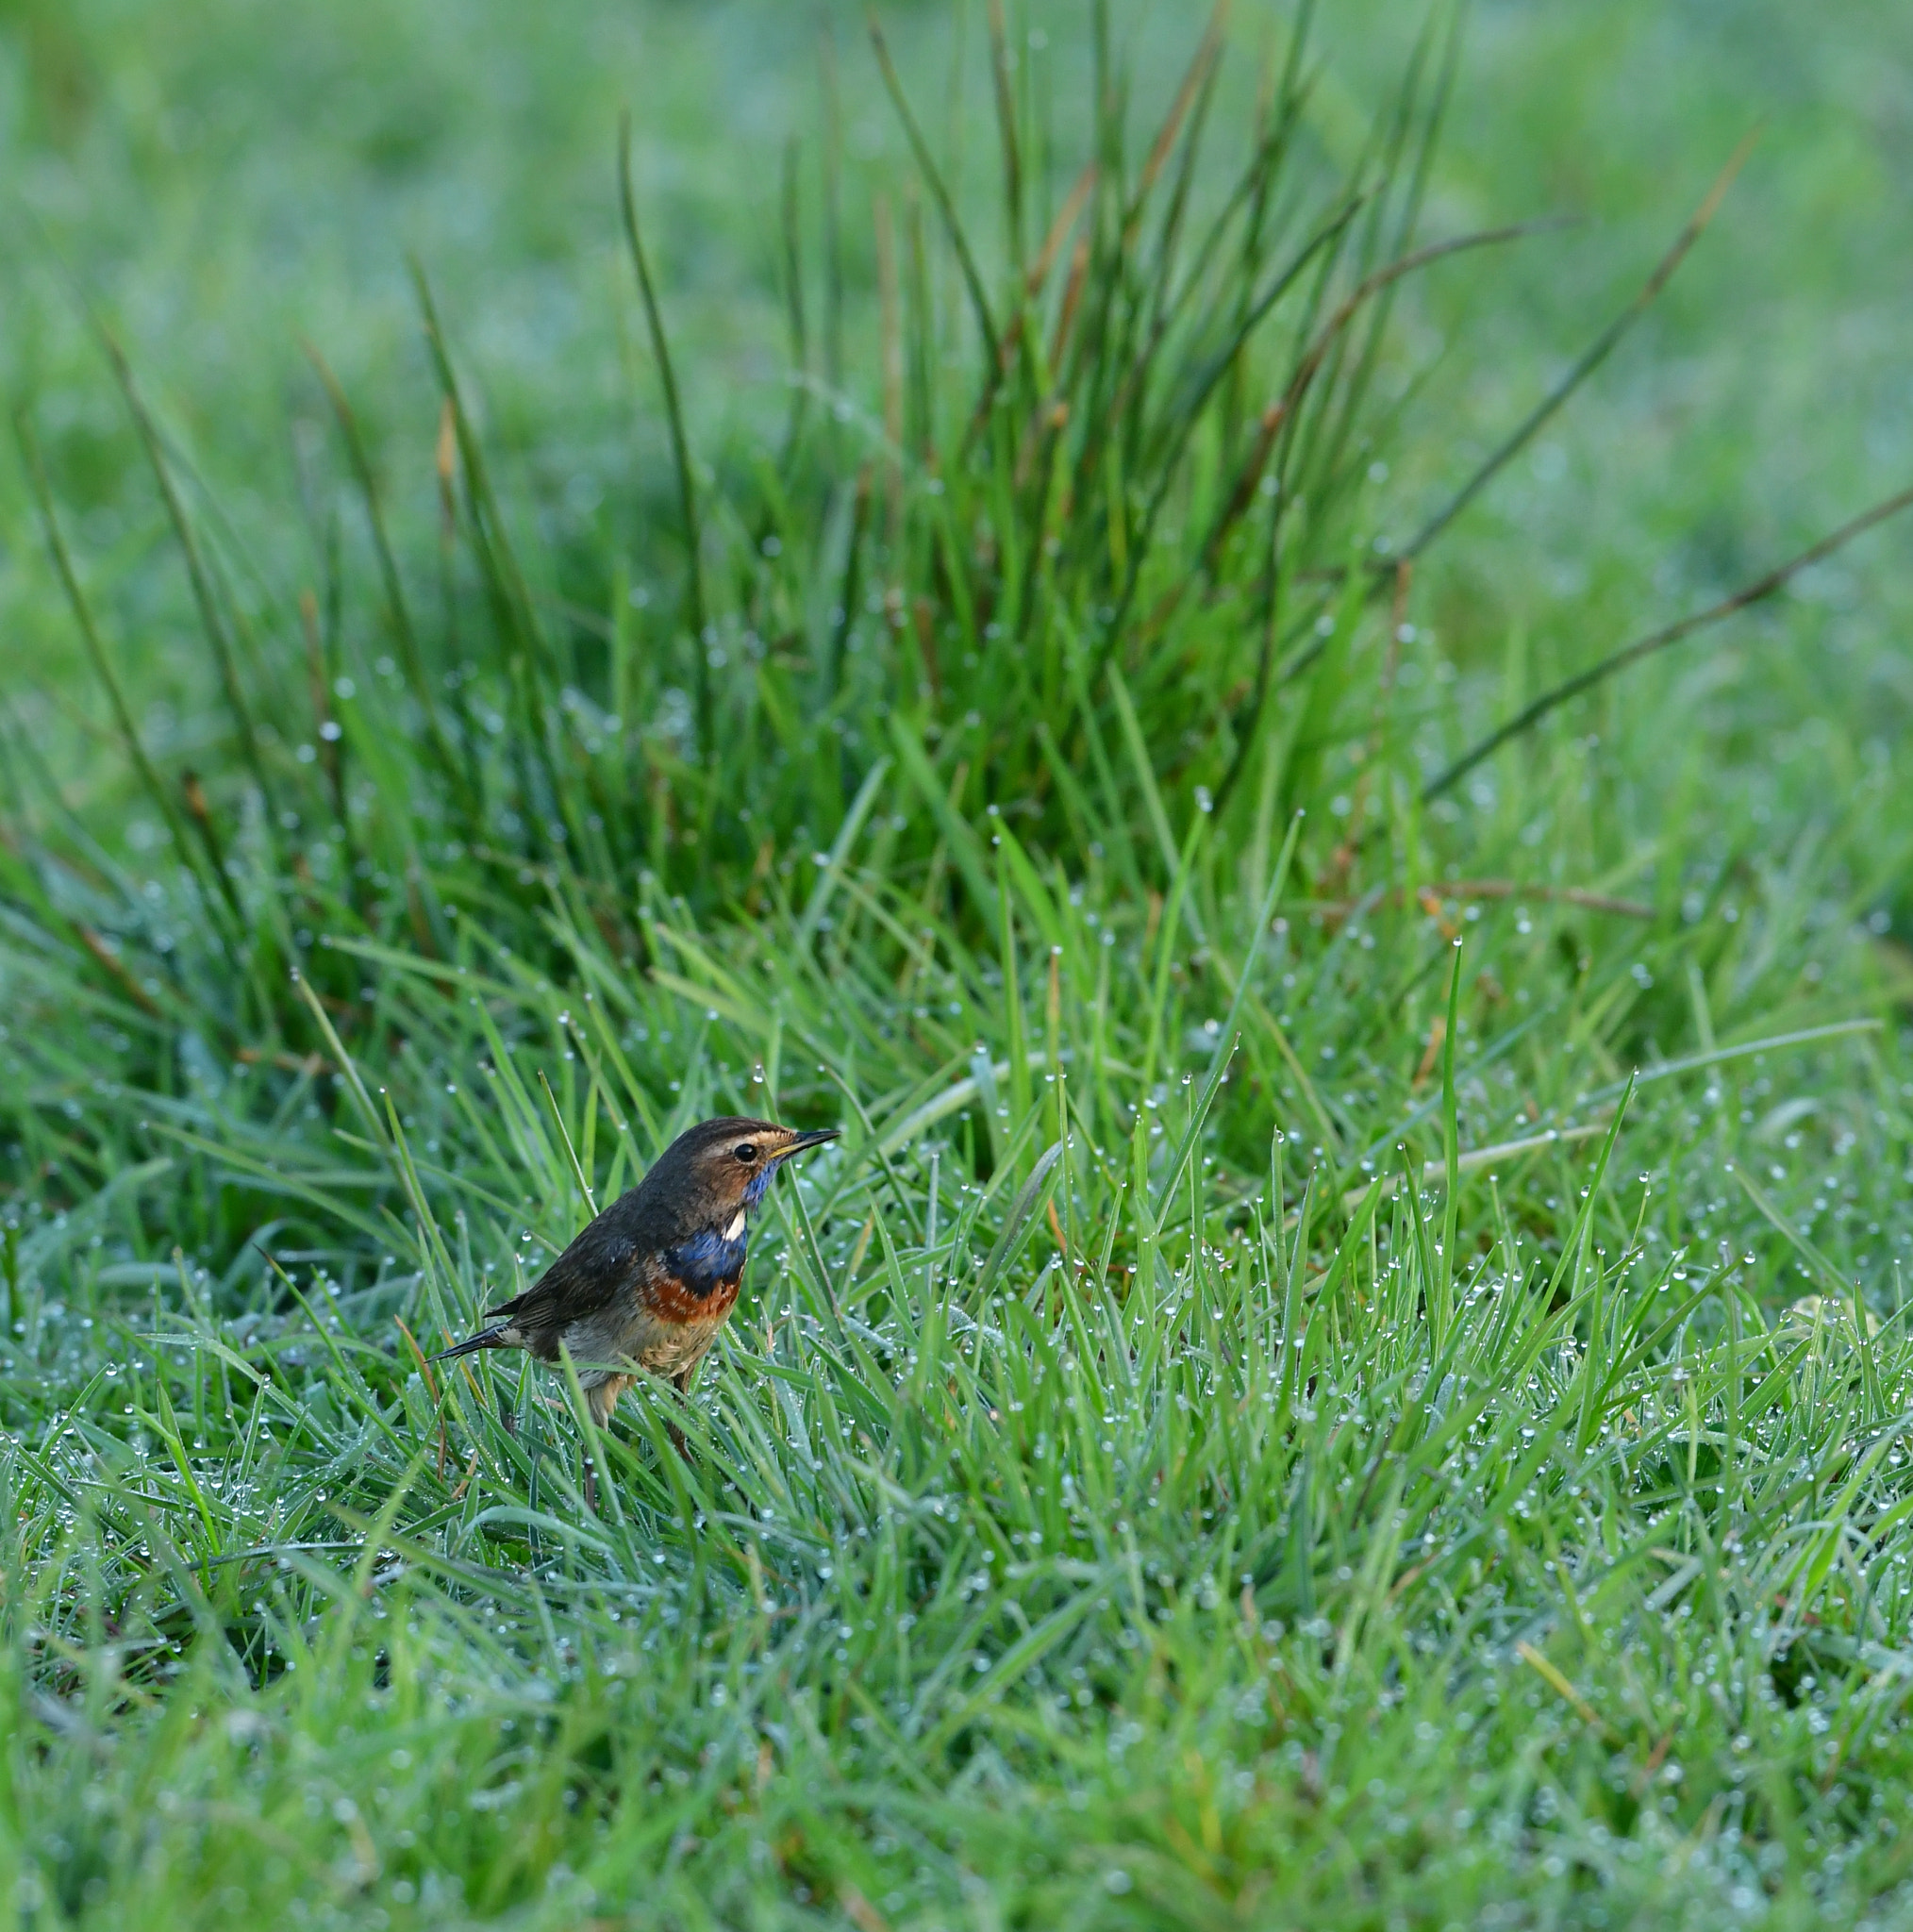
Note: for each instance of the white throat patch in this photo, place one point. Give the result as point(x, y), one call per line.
point(736, 1227)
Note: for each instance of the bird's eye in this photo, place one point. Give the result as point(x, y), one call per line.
point(746, 1152)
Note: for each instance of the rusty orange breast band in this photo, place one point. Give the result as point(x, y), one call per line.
point(670, 1299)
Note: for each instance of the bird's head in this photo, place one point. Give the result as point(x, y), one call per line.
point(721, 1168)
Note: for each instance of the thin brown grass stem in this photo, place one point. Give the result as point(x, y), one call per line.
point(1200, 65)
point(1059, 231)
point(1757, 591)
point(1591, 358)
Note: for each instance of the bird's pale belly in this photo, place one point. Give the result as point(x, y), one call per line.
point(663, 1328)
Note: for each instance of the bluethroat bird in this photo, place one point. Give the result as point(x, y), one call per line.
point(649, 1283)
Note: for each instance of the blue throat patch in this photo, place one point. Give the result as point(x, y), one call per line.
point(707, 1260)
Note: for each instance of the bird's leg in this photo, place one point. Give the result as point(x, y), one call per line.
point(681, 1382)
point(601, 1399)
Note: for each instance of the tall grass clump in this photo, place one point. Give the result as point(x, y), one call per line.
point(1349, 1367)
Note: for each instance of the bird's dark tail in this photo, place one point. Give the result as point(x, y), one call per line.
point(486, 1338)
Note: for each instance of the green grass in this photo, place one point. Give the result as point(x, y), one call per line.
point(1350, 1366)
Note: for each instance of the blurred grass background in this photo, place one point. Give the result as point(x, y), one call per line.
point(220, 181)
point(1625, 1573)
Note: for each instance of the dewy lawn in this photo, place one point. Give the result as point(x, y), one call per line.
point(1350, 1367)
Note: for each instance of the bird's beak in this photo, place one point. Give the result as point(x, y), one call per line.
point(799, 1142)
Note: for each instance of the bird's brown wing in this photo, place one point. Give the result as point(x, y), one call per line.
point(583, 1281)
